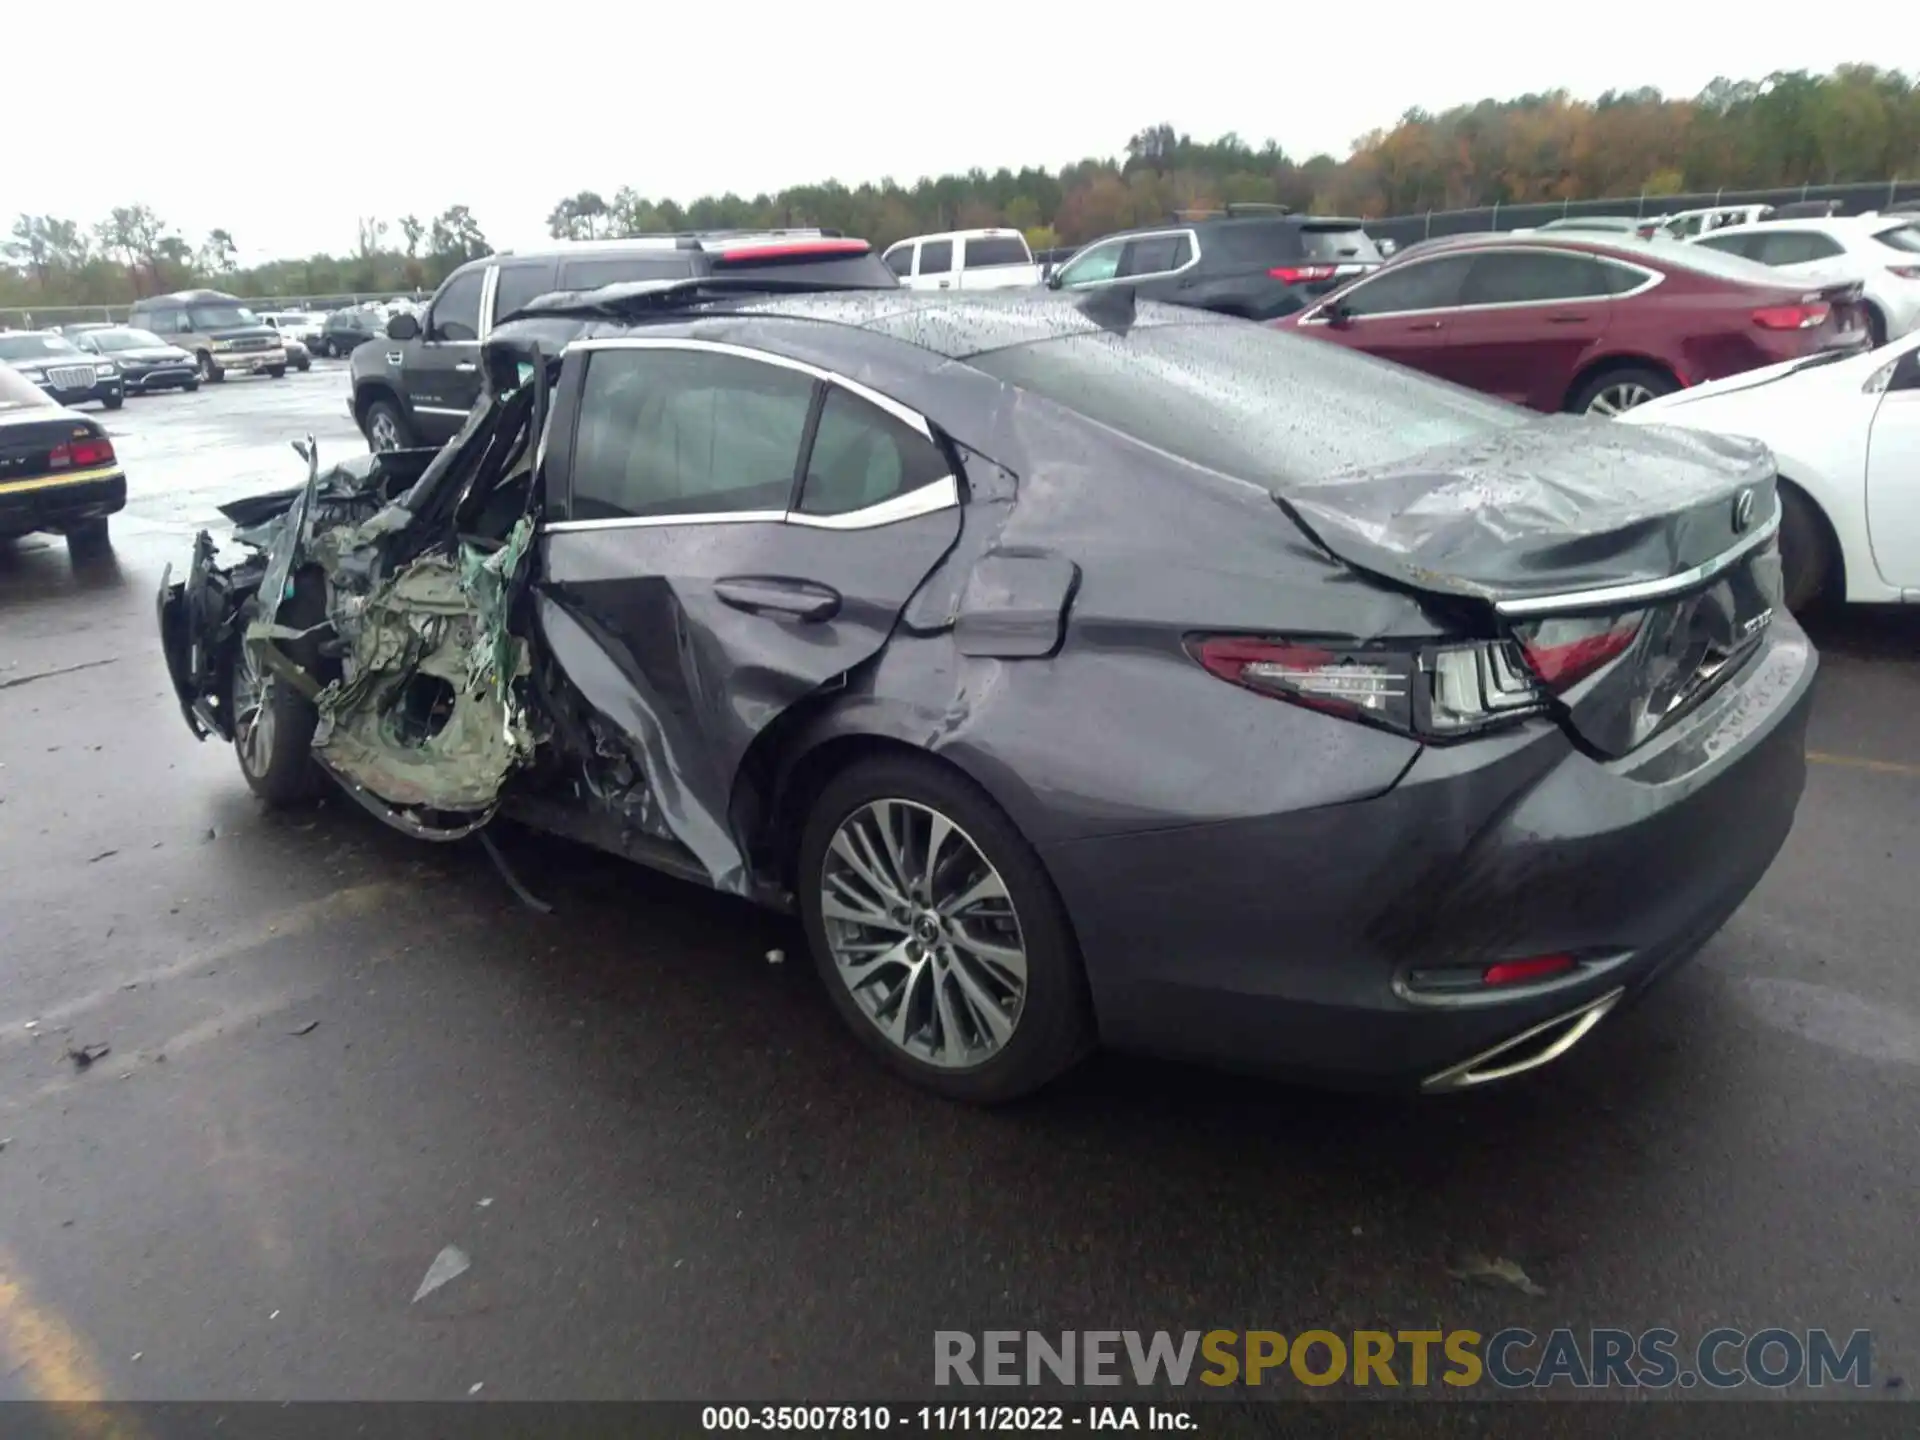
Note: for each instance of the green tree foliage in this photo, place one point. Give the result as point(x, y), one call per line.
point(1792, 128)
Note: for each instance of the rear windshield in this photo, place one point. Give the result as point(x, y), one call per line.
point(985, 250)
point(29, 345)
point(621, 270)
point(19, 393)
point(864, 270)
point(1901, 237)
point(1248, 400)
point(1324, 243)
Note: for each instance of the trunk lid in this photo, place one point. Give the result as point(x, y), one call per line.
point(1634, 568)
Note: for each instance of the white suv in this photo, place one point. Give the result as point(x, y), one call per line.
point(964, 260)
point(1881, 251)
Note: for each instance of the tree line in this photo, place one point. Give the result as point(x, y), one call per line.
point(1859, 123)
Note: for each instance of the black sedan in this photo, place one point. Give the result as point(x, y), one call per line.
point(57, 469)
point(146, 362)
point(347, 330)
point(1078, 671)
point(68, 374)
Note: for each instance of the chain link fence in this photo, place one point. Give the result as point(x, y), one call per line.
point(1854, 200)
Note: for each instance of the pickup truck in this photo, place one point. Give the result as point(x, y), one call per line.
point(965, 260)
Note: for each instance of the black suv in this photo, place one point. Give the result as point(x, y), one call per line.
point(1255, 261)
point(417, 386)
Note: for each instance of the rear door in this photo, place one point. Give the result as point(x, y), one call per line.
point(1402, 314)
point(936, 268)
point(1526, 321)
point(1893, 477)
point(729, 531)
point(443, 366)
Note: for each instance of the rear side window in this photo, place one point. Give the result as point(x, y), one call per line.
point(1532, 277)
point(620, 270)
point(1728, 244)
point(1251, 401)
point(862, 456)
point(985, 250)
point(936, 257)
point(517, 285)
point(456, 313)
point(1155, 255)
point(1331, 245)
point(1794, 247)
point(161, 321)
point(1901, 237)
point(686, 432)
point(1426, 285)
point(900, 261)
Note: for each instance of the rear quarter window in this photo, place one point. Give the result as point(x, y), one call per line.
point(1901, 237)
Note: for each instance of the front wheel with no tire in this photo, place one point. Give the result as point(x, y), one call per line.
point(273, 727)
point(1618, 391)
point(938, 933)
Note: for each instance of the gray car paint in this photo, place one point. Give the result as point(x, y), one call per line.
point(1248, 879)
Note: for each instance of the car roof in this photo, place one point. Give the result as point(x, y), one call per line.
point(954, 325)
point(1828, 224)
point(184, 296)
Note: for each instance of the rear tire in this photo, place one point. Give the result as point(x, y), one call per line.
point(89, 540)
point(1806, 552)
point(940, 1008)
point(1876, 328)
point(277, 372)
point(1613, 392)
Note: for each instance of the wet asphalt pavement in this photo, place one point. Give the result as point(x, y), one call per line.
point(675, 1176)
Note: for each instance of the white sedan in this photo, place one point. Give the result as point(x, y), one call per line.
point(1845, 435)
point(1880, 251)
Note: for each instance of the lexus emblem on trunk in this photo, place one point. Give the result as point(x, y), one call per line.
point(1742, 511)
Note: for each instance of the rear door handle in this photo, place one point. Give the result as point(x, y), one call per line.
point(1568, 319)
point(1426, 325)
point(465, 367)
point(778, 595)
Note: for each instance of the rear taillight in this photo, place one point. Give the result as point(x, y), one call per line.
point(1294, 274)
point(791, 250)
point(1905, 272)
point(1436, 692)
point(1792, 317)
point(1564, 652)
point(82, 453)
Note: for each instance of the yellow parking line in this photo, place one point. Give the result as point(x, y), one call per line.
point(1861, 762)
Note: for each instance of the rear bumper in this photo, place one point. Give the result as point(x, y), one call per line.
point(1287, 943)
point(28, 505)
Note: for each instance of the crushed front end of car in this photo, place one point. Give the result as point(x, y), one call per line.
point(381, 592)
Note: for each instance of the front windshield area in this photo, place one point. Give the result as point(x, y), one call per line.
point(32, 346)
point(221, 317)
point(125, 339)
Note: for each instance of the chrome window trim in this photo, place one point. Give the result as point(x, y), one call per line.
point(912, 418)
point(443, 409)
point(1652, 278)
point(1193, 241)
point(934, 496)
point(1639, 592)
point(489, 289)
point(927, 499)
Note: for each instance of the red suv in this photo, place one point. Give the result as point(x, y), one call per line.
point(1585, 323)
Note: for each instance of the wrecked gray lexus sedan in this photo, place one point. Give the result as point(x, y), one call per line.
point(1079, 671)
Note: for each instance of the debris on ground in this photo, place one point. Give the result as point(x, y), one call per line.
point(474, 1389)
point(5, 1140)
point(85, 1055)
point(1474, 1267)
point(483, 1203)
point(103, 855)
point(776, 957)
point(450, 1264)
point(305, 1028)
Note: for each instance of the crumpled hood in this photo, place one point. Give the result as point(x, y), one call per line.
point(1564, 503)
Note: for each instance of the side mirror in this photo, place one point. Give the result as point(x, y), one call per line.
point(1053, 280)
point(1336, 314)
point(402, 327)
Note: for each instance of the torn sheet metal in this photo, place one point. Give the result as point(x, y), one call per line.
point(1563, 503)
point(425, 713)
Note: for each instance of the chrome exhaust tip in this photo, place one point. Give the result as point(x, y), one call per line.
point(1529, 1050)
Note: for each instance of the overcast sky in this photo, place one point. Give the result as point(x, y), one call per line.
point(440, 104)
